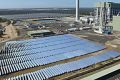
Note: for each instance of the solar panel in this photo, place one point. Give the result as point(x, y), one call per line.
point(70, 66)
point(44, 53)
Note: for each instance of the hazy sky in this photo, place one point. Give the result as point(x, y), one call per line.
point(48, 3)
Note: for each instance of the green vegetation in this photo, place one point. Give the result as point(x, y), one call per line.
point(2, 30)
point(5, 20)
point(83, 11)
point(14, 22)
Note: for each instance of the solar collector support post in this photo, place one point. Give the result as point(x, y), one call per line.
point(55, 70)
point(66, 69)
point(40, 75)
point(59, 71)
point(2, 70)
point(11, 68)
point(72, 67)
point(25, 77)
point(23, 67)
point(37, 63)
point(34, 62)
point(37, 73)
point(5, 69)
point(46, 73)
point(50, 72)
point(29, 64)
point(29, 74)
point(26, 64)
point(21, 77)
point(62, 69)
point(34, 76)
point(8, 68)
point(19, 66)
point(14, 66)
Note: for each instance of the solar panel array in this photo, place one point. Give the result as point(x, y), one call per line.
point(19, 55)
point(67, 67)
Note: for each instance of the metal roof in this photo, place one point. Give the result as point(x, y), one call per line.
point(38, 31)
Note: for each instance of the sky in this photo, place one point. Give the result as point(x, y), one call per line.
point(4, 4)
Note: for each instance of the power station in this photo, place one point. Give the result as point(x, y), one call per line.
point(104, 15)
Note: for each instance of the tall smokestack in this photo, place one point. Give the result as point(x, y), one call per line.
point(77, 10)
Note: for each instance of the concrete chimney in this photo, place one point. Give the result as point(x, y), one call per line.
point(77, 10)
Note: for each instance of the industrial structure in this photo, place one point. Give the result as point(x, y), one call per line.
point(77, 10)
point(115, 23)
point(40, 33)
point(104, 15)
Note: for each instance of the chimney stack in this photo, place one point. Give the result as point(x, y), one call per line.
point(77, 10)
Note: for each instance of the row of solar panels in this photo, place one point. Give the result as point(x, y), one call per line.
point(65, 68)
point(78, 44)
point(37, 51)
point(42, 49)
point(19, 45)
point(71, 50)
point(38, 46)
point(14, 65)
point(23, 43)
point(43, 45)
point(49, 41)
point(41, 40)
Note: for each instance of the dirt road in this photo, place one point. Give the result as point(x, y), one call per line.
point(11, 31)
point(9, 34)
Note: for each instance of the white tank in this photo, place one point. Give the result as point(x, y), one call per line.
point(84, 19)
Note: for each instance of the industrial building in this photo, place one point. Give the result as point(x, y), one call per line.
point(115, 23)
point(104, 15)
point(112, 9)
point(40, 33)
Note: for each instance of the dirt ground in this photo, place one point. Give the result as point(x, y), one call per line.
point(9, 34)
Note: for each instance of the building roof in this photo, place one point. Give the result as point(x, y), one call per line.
point(38, 31)
point(108, 4)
